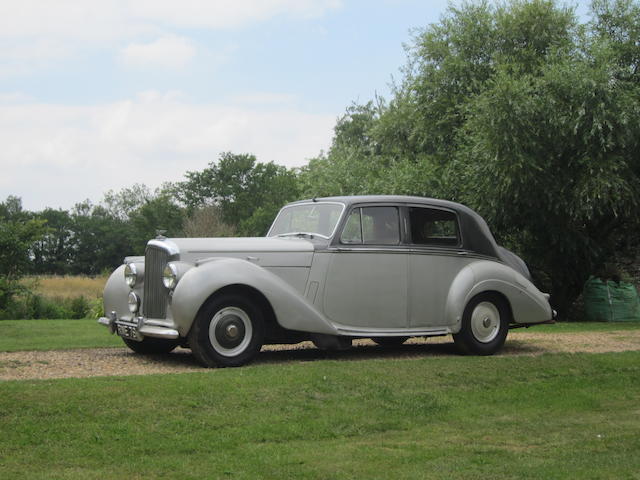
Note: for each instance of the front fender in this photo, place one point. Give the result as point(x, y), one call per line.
point(199, 283)
point(116, 293)
point(527, 303)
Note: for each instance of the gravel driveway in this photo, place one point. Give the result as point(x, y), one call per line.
point(121, 361)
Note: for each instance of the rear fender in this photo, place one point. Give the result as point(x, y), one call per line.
point(198, 284)
point(527, 303)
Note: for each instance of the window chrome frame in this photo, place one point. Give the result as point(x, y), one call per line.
point(408, 240)
point(336, 243)
point(291, 205)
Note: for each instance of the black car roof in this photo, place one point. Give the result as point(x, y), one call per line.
point(476, 235)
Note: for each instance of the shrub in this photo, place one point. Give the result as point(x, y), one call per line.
point(79, 307)
point(36, 307)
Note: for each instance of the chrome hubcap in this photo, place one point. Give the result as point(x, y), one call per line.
point(230, 331)
point(485, 322)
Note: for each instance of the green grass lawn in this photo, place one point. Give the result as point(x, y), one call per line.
point(18, 335)
point(569, 327)
point(554, 416)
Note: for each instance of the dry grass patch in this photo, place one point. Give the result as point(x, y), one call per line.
point(56, 286)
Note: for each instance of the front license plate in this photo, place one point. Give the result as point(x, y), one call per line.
point(127, 331)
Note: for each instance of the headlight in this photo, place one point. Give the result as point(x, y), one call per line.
point(130, 275)
point(134, 303)
point(170, 276)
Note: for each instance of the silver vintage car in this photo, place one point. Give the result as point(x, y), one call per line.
point(330, 270)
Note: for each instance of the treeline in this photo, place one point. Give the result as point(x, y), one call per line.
point(234, 196)
point(522, 112)
point(519, 110)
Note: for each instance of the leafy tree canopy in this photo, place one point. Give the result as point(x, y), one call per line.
point(248, 193)
point(521, 112)
point(18, 231)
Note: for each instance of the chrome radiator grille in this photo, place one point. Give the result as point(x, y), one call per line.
point(155, 294)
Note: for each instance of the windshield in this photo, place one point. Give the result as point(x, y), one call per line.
point(307, 218)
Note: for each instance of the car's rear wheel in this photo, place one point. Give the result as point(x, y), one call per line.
point(227, 332)
point(485, 324)
point(151, 345)
point(389, 341)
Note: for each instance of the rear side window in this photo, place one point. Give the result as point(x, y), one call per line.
point(430, 226)
point(372, 226)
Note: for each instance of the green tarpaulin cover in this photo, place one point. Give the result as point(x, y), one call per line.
point(608, 301)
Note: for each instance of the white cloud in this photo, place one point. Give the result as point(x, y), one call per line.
point(227, 14)
point(170, 52)
point(69, 153)
point(14, 97)
point(34, 34)
point(112, 18)
point(265, 98)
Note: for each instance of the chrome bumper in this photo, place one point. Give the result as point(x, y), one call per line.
point(144, 327)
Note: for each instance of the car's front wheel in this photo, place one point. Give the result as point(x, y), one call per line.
point(227, 332)
point(151, 345)
point(485, 324)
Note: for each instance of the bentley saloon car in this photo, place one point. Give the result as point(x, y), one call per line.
point(330, 270)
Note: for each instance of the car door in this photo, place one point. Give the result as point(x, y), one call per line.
point(366, 281)
point(435, 257)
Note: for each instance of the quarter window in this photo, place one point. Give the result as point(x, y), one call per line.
point(372, 226)
point(431, 226)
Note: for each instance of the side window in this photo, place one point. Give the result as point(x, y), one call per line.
point(352, 232)
point(372, 226)
point(433, 227)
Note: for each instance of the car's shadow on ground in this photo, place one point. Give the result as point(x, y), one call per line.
point(368, 352)
point(296, 353)
point(359, 352)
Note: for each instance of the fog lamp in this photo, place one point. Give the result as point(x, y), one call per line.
point(134, 303)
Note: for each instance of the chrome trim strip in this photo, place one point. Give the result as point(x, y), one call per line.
point(147, 329)
point(158, 332)
point(412, 251)
point(393, 332)
point(158, 322)
point(166, 245)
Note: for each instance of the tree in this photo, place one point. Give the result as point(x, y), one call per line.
point(124, 203)
point(560, 151)
point(17, 234)
point(100, 241)
point(160, 214)
point(616, 31)
point(207, 222)
point(248, 193)
point(521, 112)
point(53, 252)
point(368, 155)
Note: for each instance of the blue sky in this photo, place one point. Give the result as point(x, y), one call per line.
point(100, 94)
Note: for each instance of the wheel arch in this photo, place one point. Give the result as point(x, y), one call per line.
point(524, 301)
point(253, 294)
point(501, 296)
point(484, 333)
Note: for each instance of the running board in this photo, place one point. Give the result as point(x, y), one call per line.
point(396, 332)
point(528, 325)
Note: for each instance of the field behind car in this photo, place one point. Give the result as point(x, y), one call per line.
point(373, 413)
point(67, 286)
